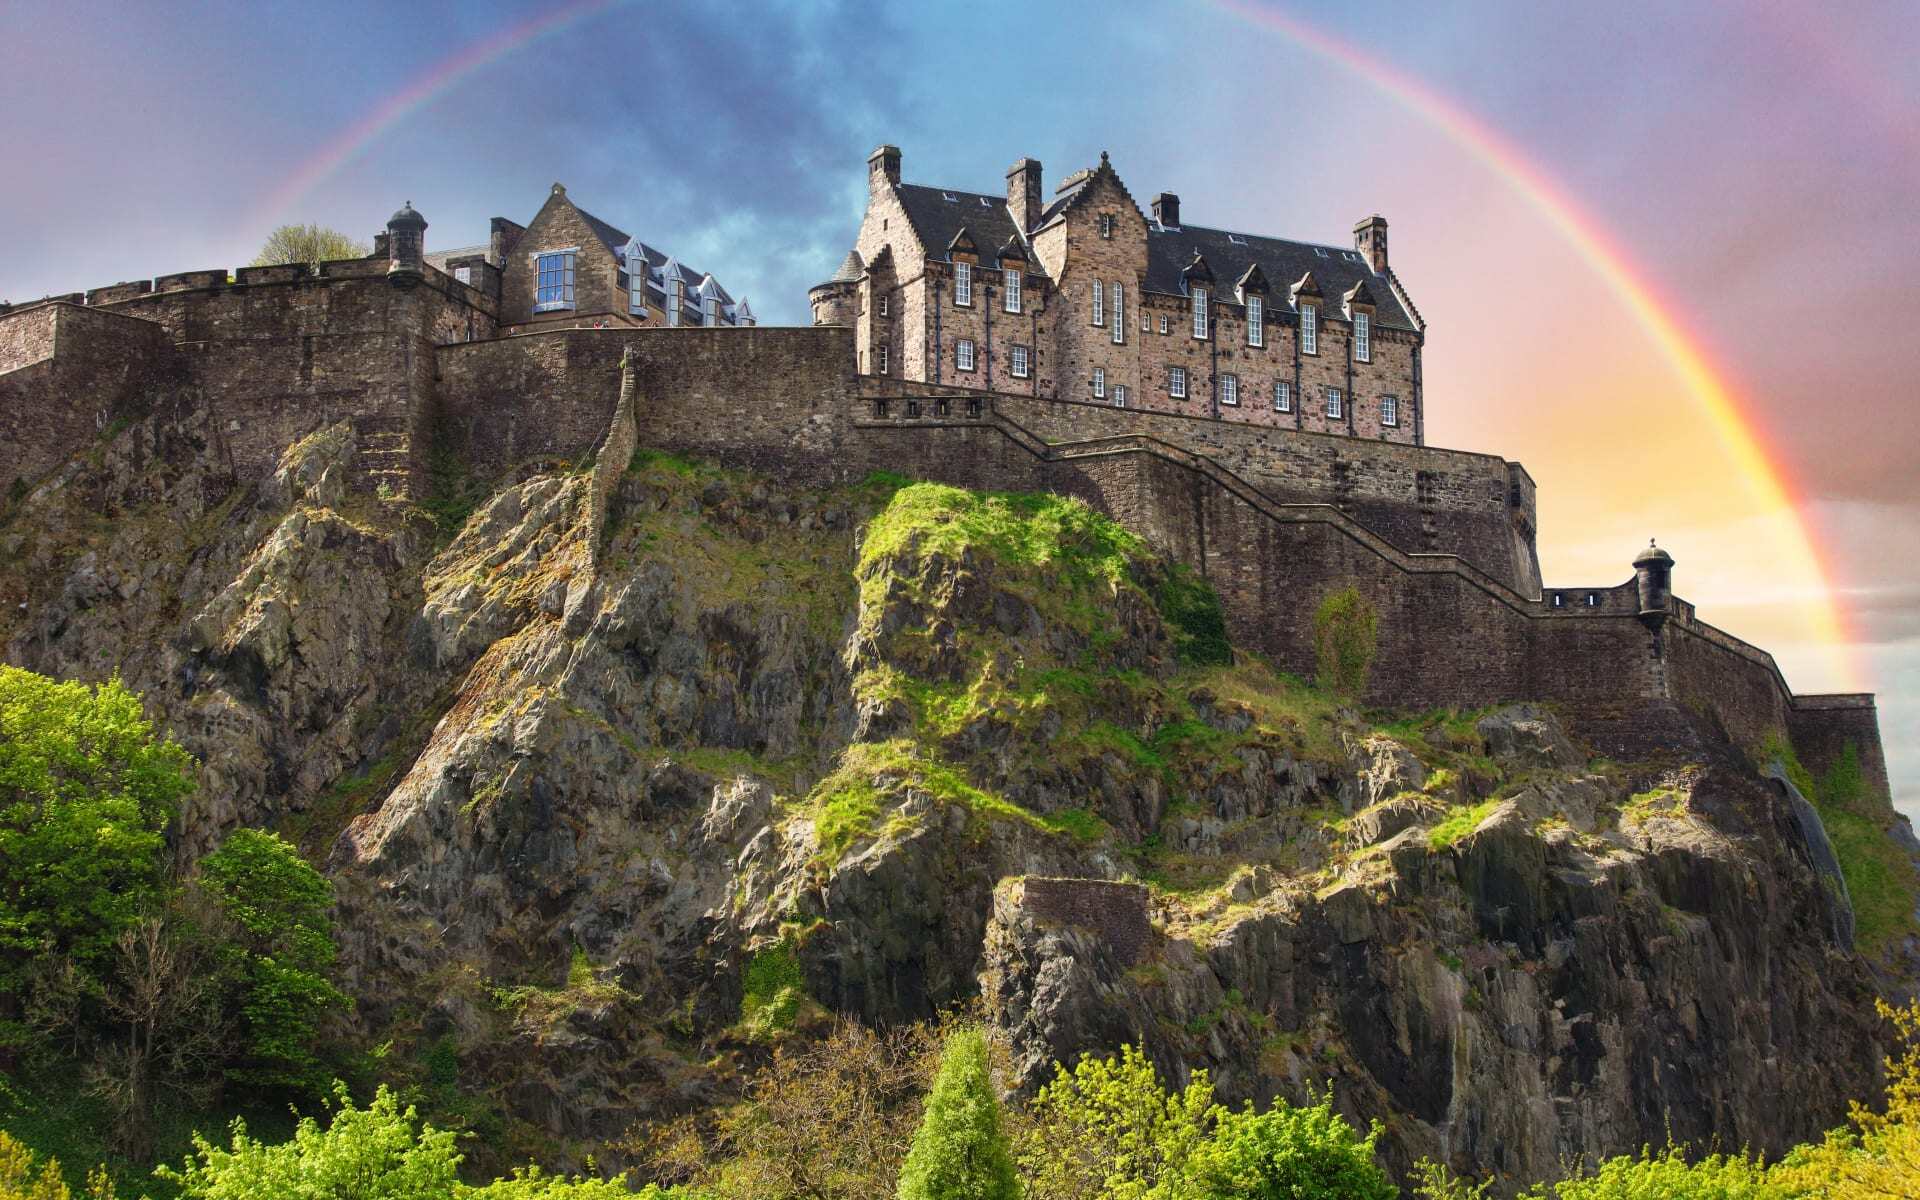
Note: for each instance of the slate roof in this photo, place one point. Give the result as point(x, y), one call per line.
point(616, 241)
point(1169, 251)
point(440, 258)
point(938, 220)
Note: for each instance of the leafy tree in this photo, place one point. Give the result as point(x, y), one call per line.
point(960, 1152)
point(278, 945)
point(380, 1152)
point(1879, 1155)
point(87, 790)
point(1108, 1130)
point(1290, 1153)
point(1668, 1175)
point(1345, 630)
point(308, 244)
point(531, 1183)
point(20, 1180)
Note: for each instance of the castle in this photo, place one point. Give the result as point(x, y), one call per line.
point(455, 358)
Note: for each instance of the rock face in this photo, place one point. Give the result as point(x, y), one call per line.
point(577, 764)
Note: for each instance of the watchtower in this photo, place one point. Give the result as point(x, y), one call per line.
point(406, 247)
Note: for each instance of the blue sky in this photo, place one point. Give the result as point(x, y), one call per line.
point(1758, 161)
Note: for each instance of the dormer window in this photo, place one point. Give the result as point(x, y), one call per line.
point(963, 284)
point(1099, 303)
point(1119, 315)
point(1236, 239)
point(1200, 313)
point(1106, 225)
point(1309, 329)
point(676, 300)
point(1012, 275)
point(553, 280)
point(1362, 337)
point(1256, 321)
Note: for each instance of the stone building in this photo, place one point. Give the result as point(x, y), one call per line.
point(568, 267)
point(1082, 296)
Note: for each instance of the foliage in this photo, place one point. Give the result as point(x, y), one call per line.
point(960, 1151)
point(531, 1183)
point(1882, 883)
point(1108, 1130)
point(772, 991)
point(22, 1179)
point(1345, 633)
point(1290, 1153)
point(308, 244)
point(279, 952)
point(1459, 822)
point(87, 790)
point(1879, 1154)
point(1669, 1176)
point(1059, 533)
point(1191, 610)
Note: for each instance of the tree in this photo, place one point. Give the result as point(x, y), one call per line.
point(22, 1179)
point(87, 790)
point(1108, 1130)
point(308, 244)
point(960, 1152)
point(1289, 1153)
point(1345, 627)
point(277, 947)
point(1879, 1155)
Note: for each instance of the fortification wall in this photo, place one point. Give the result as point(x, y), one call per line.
point(1823, 727)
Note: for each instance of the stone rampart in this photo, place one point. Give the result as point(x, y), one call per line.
point(1116, 912)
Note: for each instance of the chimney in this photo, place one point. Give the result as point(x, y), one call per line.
point(1370, 239)
point(1023, 193)
point(1166, 210)
point(883, 164)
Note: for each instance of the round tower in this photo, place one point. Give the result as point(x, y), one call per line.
point(1653, 576)
point(406, 247)
point(837, 301)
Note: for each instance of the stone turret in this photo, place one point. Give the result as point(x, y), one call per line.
point(1653, 576)
point(837, 301)
point(406, 247)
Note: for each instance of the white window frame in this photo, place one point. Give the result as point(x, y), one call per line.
point(1362, 337)
point(1200, 314)
point(563, 275)
point(1106, 225)
point(883, 364)
point(1013, 275)
point(1230, 390)
point(1119, 313)
point(1099, 303)
point(676, 300)
point(1282, 396)
point(880, 303)
point(1309, 329)
point(463, 274)
point(1256, 321)
point(1099, 383)
point(1390, 411)
point(1119, 395)
point(1019, 360)
point(964, 355)
point(1177, 382)
point(1163, 323)
point(963, 285)
point(1336, 404)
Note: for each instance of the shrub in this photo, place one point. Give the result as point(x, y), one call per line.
point(1107, 1128)
point(1345, 631)
point(1191, 610)
point(1290, 1153)
point(22, 1178)
point(1669, 1176)
point(959, 1151)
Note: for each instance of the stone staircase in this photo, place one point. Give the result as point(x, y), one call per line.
point(387, 464)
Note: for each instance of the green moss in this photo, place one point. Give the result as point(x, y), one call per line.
point(1191, 609)
point(1881, 881)
point(1459, 824)
point(773, 991)
point(1661, 801)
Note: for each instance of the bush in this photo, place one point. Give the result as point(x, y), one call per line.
point(1345, 629)
point(1669, 1176)
point(960, 1152)
point(1290, 1153)
point(1108, 1129)
point(1191, 610)
point(21, 1178)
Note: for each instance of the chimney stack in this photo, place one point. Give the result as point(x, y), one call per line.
point(1166, 210)
point(1370, 239)
point(1023, 193)
point(883, 168)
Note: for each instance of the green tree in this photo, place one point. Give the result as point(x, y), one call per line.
point(87, 790)
point(278, 945)
point(1289, 1153)
point(1108, 1130)
point(960, 1152)
point(1345, 631)
point(23, 1177)
point(380, 1152)
point(308, 244)
point(1669, 1176)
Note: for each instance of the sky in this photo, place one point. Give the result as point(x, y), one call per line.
point(1669, 253)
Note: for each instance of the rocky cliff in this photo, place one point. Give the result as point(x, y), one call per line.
point(623, 774)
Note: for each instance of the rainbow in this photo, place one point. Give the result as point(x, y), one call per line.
point(430, 85)
point(1614, 265)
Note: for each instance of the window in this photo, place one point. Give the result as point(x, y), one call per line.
point(1593, 599)
point(1177, 382)
point(637, 292)
point(676, 296)
point(1099, 383)
point(1309, 329)
point(882, 302)
point(1106, 225)
point(963, 284)
point(1230, 390)
point(1256, 321)
point(553, 281)
point(1119, 315)
point(1163, 322)
point(1119, 395)
point(463, 274)
point(963, 354)
point(1236, 239)
point(1362, 337)
point(1389, 410)
point(1099, 303)
point(1013, 289)
point(1018, 360)
point(1559, 600)
point(1283, 396)
point(1317, 250)
point(709, 309)
point(1336, 404)
point(880, 359)
point(1200, 313)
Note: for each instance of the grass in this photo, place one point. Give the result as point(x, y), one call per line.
point(1663, 801)
point(1461, 823)
point(773, 991)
